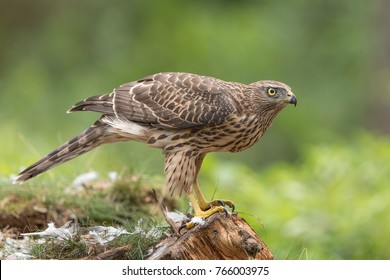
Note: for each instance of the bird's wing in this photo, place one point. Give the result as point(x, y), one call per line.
point(102, 103)
point(168, 100)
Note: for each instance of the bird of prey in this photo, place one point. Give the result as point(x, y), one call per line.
point(186, 115)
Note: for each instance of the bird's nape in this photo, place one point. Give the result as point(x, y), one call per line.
point(186, 115)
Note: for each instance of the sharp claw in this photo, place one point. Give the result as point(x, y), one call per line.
point(226, 211)
point(220, 202)
point(215, 203)
point(223, 204)
point(181, 227)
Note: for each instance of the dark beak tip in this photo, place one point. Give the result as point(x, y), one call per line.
point(294, 101)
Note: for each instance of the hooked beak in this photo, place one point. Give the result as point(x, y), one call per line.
point(291, 98)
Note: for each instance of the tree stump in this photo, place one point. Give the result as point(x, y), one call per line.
point(220, 238)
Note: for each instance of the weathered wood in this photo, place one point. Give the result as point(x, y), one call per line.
point(220, 238)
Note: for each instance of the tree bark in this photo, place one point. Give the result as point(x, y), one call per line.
point(220, 238)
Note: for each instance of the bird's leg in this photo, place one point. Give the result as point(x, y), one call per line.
point(203, 208)
point(202, 202)
point(198, 212)
point(205, 205)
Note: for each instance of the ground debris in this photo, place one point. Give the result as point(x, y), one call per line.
point(20, 248)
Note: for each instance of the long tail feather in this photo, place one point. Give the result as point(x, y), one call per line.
point(82, 143)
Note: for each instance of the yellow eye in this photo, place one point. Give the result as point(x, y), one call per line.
point(271, 91)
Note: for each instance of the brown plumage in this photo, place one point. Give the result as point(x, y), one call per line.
point(184, 114)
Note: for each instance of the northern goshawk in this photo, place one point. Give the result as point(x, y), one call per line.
point(185, 115)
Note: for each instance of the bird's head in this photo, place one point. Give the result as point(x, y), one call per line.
point(271, 96)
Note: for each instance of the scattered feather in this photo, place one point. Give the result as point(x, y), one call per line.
point(198, 220)
point(152, 233)
point(19, 256)
point(85, 178)
point(66, 232)
point(113, 176)
point(102, 235)
point(17, 249)
point(96, 236)
point(176, 217)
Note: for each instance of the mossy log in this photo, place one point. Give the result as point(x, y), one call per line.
point(219, 238)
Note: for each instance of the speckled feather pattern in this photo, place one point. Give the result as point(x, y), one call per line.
point(185, 115)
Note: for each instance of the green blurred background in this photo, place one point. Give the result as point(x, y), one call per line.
point(317, 184)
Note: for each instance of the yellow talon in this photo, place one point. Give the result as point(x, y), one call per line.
point(200, 214)
point(204, 209)
point(204, 205)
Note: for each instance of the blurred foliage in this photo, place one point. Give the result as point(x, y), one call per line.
point(334, 55)
point(54, 54)
point(334, 204)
